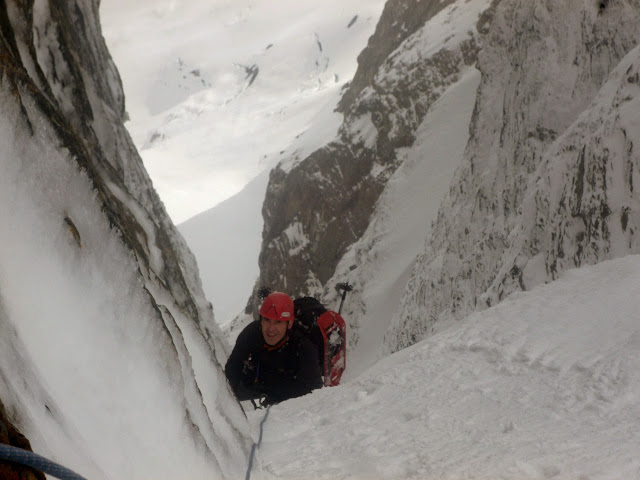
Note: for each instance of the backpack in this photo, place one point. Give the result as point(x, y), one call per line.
point(327, 331)
point(306, 311)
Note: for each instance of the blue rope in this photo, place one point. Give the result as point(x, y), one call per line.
point(30, 459)
point(256, 445)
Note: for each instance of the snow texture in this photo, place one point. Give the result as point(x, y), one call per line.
point(113, 362)
point(543, 385)
point(387, 251)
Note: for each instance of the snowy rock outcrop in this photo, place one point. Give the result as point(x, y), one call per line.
point(548, 177)
point(545, 183)
point(315, 209)
point(111, 357)
point(581, 206)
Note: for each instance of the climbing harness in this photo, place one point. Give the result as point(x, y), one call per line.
point(256, 445)
point(33, 460)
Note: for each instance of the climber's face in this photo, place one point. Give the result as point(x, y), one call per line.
point(273, 331)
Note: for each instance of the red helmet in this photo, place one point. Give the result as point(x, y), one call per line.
point(278, 306)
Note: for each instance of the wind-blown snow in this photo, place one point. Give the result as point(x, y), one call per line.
point(99, 383)
point(544, 385)
point(364, 131)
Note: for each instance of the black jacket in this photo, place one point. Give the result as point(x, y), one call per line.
point(255, 370)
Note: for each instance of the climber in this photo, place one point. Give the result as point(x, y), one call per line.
point(271, 361)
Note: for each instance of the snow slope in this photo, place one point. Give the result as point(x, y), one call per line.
point(544, 385)
point(226, 241)
point(388, 249)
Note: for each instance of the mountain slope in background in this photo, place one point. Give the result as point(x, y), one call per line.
point(226, 242)
point(269, 77)
point(304, 238)
point(216, 91)
point(541, 185)
point(111, 359)
point(426, 85)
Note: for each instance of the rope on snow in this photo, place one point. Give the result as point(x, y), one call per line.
point(256, 445)
point(33, 460)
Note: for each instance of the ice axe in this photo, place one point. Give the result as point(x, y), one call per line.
point(344, 288)
point(263, 292)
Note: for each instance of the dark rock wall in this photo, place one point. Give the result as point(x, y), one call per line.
point(399, 20)
point(9, 435)
point(316, 209)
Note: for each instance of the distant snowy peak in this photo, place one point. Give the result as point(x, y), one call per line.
point(186, 88)
point(174, 83)
point(542, 66)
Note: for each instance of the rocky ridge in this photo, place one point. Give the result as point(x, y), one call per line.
point(547, 180)
point(382, 110)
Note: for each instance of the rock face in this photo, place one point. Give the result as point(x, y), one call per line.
point(547, 182)
point(580, 206)
point(9, 435)
point(56, 52)
point(65, 151)
point(399, 20)
point(314, 210)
